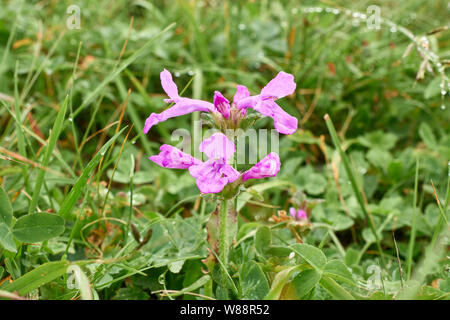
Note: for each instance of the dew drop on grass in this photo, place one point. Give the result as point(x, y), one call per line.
point(177, 74)
point(70, 119)
point(241, 26)
point(393, 29)
point(190, 73)
point(443, 107)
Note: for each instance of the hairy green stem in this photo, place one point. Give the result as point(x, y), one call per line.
point(223, 237)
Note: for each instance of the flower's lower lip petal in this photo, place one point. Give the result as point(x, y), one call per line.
point(231, 173)
point(206, 185)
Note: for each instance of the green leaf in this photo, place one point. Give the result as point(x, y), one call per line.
point(37, 227)
point(305, 281)
point(335, 289)
point(433, 88)
point(337, 270)
point(6, 238)
point(315, 184)
point(253, 282)
point(427, 136)
point(313, 256)
point(263, 239)
point(395, 170)
point(378, 140)
point(351, 257)
point(379, 158)
point(278, 283)
point(6, 211)
point(37, 277)
point(176, 266)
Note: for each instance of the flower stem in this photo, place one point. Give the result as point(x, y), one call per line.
point(223, 237)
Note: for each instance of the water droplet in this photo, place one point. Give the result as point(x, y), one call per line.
point(393, 29)
point(190, 73)
point(443, 92)
point(70, 119)
point(242, 26)
point(336, 11)
point(102, 154)
point(443, 107)
point(133, 142)
point(177, 74)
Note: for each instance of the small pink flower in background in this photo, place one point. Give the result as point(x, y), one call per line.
point(267, 167)
point(280, 86)
point(299, 214)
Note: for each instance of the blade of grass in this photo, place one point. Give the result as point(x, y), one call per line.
point(81, 182)
point(7, 48)
point(110, 77)
point(412, 237)
point(354, 182)
point(54, 135)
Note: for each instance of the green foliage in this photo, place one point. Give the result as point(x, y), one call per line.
point(78, 194)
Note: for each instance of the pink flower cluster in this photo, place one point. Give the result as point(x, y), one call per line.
point(215, 173)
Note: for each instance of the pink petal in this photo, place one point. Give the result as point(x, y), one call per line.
point(206, 185)
point(241, 93)
point(218, 146)
point(267, 167)
point(222, 104)
point(231, 173)
point(171, 157)
point(293, 212)
point(284, 123)
point(280, 86)
point(212, 176)
point(301, 214)
point(181, 107)
point(168, 85)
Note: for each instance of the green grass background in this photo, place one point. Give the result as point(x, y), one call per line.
point(63, 94)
